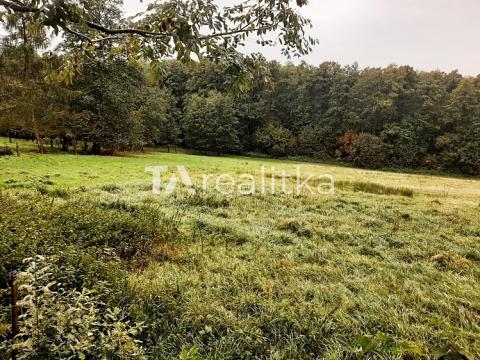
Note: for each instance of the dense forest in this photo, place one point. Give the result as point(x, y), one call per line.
point(373, 117)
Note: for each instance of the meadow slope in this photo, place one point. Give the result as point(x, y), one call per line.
point(388, 266)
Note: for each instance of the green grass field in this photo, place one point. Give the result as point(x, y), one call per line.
point(386, 267)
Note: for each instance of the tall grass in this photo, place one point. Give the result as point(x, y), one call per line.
point(374, 188)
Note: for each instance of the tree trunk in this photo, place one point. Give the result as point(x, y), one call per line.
point(95, 148)
point(9, 136)
point(39, 140)
point(75, 146)
point(64, 144)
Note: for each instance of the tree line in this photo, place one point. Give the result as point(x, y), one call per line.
point(372, 117)
point(107, 88)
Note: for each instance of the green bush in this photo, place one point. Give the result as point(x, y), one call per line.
point(313, 141)
point(6, 151)
point(210, 124)
point(87, 228)
point(368, 151)
point(60, 322)
point(275, 140)
point(86, 245)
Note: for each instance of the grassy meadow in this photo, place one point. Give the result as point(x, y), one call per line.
point(387, 267)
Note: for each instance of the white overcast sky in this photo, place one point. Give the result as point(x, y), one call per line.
point(427, 34)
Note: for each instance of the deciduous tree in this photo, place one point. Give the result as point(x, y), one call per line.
point(210, 124)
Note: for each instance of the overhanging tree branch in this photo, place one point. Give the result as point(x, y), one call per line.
point(18, 7)
point(108, 31)
point(235, 32)
point(77, 34)
point(169, 28)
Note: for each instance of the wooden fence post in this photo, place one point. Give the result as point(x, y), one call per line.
point(18, 150)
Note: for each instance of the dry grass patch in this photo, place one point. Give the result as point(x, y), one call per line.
point(452, 262)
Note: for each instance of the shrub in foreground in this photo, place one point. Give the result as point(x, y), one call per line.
point(59, 322)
